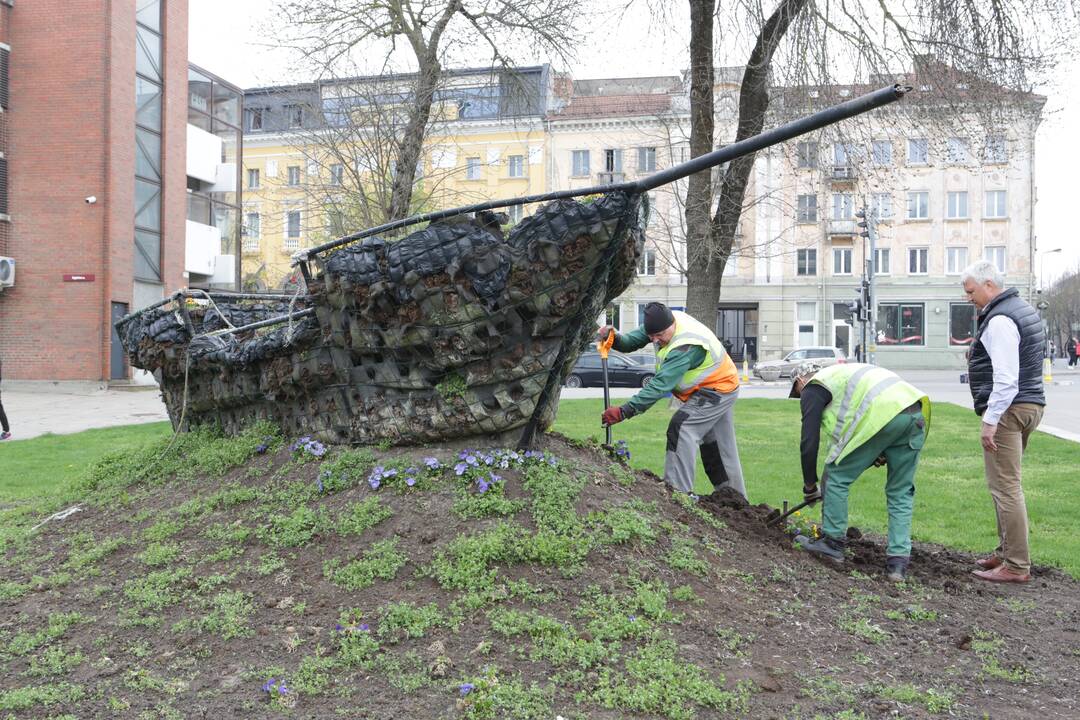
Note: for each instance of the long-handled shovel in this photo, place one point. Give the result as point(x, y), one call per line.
point(603, 346)
point(778, 516)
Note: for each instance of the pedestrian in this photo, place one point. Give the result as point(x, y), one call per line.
point(869, 417)
point(1073, 348)
point(5, 429)
point(691, 364)
point(1005, 377)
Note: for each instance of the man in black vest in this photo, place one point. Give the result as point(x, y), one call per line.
point(1005, 376)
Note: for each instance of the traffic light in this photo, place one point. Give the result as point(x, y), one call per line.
point(863, 223)
point(855, 309)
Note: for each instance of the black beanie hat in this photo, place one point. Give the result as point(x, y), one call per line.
point(657, 318)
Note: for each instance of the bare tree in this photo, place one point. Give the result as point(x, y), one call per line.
point(426, 35)
point(1063, 311)
point(985, 57)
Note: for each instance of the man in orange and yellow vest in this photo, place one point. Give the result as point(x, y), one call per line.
point(691, 364)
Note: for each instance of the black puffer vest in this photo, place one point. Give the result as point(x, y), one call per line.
point(1032, 341)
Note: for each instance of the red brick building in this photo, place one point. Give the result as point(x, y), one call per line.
point(93, 135)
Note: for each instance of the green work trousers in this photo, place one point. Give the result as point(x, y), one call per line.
point(900, 441)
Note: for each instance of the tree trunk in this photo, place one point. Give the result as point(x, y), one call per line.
point(412, 138)
point(712, 246)
point(699, 187)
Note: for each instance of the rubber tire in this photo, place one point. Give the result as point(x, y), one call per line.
point(573, 381)
point(646, 379)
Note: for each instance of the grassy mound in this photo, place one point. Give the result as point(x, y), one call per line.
point(257, 577)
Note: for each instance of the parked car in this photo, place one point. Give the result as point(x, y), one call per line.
point(623, 371)
point(824, 355)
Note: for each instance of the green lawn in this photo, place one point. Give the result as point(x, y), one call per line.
point(952, 505)
point(39, 466)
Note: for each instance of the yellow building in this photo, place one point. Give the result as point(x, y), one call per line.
point(318, 157)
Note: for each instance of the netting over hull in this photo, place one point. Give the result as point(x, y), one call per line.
point(451, 331)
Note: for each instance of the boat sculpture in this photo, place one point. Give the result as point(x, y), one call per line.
point(451, 331)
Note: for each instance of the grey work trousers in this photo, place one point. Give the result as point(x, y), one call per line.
point(705, 420)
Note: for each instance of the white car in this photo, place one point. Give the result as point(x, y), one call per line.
point(824, 355)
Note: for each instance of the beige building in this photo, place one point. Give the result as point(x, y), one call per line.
point(946, 195)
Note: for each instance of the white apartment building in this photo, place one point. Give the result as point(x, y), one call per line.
point(947, 194)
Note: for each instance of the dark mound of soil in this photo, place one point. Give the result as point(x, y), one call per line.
point(444, 582)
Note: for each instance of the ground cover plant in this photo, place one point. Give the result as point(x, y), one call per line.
point(262, 576)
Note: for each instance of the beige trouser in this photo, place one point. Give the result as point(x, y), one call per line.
point(1003, 479)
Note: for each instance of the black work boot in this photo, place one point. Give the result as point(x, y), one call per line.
point(896, 567)
point(824, 548)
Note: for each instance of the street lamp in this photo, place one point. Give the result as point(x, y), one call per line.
point(1048, 360)
point(1042, 266)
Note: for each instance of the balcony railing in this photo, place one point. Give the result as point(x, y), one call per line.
point(843, 172)
point(607, 178)
point(841, 227)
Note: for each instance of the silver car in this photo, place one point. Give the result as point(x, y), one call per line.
point(824, 355)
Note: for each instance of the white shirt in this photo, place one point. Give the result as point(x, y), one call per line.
point(1001, 338)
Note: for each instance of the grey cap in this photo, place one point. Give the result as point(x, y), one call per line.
point(807, 368)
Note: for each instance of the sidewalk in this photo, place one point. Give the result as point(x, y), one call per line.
point(70, 408)
point(74, 408)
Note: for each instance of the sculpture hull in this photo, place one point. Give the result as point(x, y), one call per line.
point(449, 332)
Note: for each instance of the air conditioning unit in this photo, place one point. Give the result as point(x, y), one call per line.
point(7, 272)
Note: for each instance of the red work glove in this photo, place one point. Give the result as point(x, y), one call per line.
point(611, 416)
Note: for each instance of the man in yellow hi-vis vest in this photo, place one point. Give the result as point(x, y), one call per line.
point(868, 416)
point(692, 365)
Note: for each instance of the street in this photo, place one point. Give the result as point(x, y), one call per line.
point(34, 413)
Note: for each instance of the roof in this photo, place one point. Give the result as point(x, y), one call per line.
point(614, 106)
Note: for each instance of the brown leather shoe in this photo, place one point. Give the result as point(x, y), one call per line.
point(989, 563)
point(1002, 574)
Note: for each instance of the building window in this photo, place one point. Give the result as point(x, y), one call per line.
point(881, 261)
point(294, 116)
point(148, 79)
point(252, 230)
point(807, 212)
point(646, 159)
point(807, 154)
point(881, 204)
point(613, 161)
point(881, 151)
point(613, 315)
point(254, 118)
point(956, 205)
point(900, 324)
point(294, 175)
point(580, 163)
point(472, 168)
point(918, 205)
point(253, 178)
point(641, 315)
point(956, 151)
point(995, 254)
point(841, 261)
point(292, 230)
point(337, 174)
point(917, 260)
point(956, 259)
point(515, 165)
point(515, 213)
point(806, 261)
point(995, 204)
point(647, 263)
point(962, 319)
point(847, 154)
point(806, 324)
point(918, 151)
point(995, 151)
point(843, 206)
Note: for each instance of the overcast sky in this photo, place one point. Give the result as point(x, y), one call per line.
point(229, 39)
